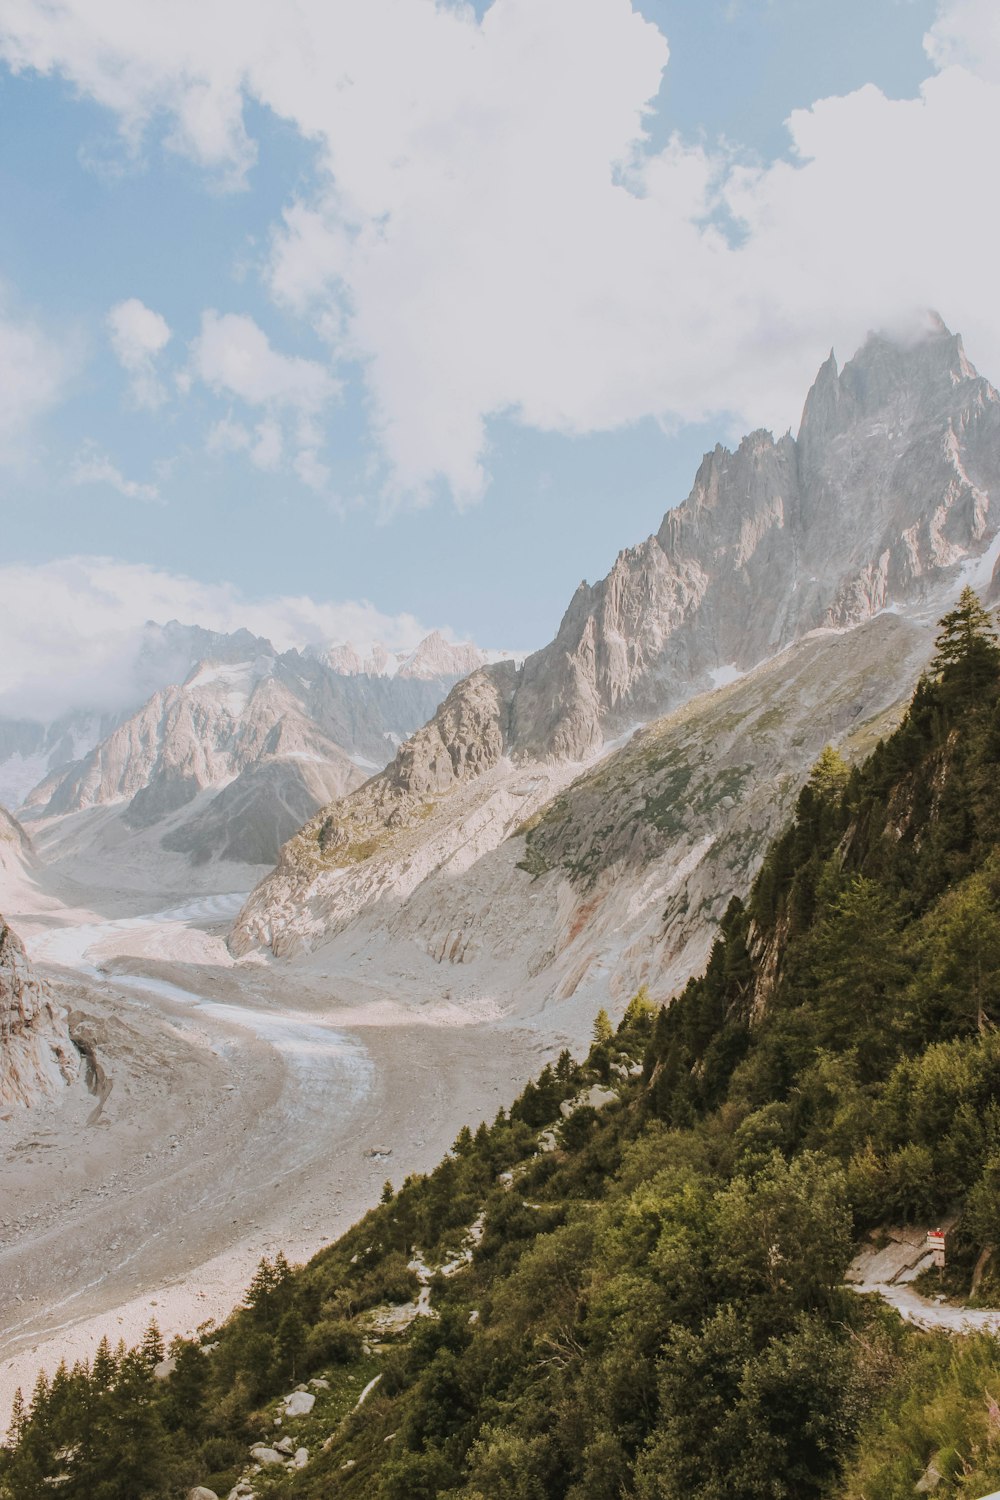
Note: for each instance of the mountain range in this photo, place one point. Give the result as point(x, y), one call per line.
point(237, 744)
point(799, 580)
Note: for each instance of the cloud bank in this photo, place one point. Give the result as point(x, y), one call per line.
point(492, 232)
point(80, 650)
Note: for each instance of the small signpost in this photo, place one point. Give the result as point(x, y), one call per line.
point(935, 1244)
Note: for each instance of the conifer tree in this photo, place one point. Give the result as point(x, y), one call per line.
point(103, 1373)
point(640, 1008)
point(17, 1418)
point(152, 1344)
point(603, 1029)
point(967, 656)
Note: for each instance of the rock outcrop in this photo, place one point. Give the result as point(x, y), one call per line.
point(36, 1055)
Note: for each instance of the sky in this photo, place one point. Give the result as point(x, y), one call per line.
point(356, 318)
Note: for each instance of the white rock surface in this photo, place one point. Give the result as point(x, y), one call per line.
point(299, 1403)
point(266, 1457)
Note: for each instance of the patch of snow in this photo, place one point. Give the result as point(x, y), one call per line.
point(237, 682)
point(20, 774)
point(721, 676)
point(978, 571)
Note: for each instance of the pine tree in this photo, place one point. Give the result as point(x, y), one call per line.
point(603, 1029)
point(103, 1373)
point(17, 1419)
point(290, 1341)
point(967, 656)
point(829, 775)
point(152, 1344)
point(640, 1009)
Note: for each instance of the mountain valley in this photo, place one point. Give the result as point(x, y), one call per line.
point(309, 913)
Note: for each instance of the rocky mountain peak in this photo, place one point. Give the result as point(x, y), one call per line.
point(887, 486)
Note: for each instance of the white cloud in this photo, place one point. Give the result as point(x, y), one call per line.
point(138, 335)
point(494, 235)
point(33, 376)
point(234, 356)
point(268, 444)
point(966, 34)
point(228, 436)
point(312, 470)
point(79, 647)
point(93, 467)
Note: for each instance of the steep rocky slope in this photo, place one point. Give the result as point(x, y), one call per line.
point(36, 1054)
point(533, 882)
point(16, 854)
point(874, 507)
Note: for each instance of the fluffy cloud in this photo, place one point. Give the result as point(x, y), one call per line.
point(93, 467)
point(33, 374)
point(966, 34)
point(138, 335)
point(263, 444)
point(82, 650)
point(235, 357)
point(494, 234)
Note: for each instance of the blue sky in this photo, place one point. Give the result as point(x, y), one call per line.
point(471, 375)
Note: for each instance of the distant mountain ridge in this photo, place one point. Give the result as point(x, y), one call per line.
point(435, 657)
point(238, 752)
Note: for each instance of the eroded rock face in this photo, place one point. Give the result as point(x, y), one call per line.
point(36, 1054)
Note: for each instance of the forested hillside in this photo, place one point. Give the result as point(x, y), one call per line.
point(642, 1291)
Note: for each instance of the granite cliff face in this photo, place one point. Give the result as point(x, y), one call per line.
point(885, 492)
point(36, 1054)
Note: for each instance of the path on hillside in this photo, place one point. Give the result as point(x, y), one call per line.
point(889, 1269)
